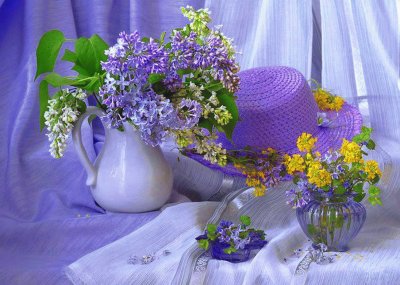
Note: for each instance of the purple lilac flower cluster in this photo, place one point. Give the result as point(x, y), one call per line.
point(128, 96)
point(213, 54)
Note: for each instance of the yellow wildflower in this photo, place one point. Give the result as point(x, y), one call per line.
point(259, 187)
point(260, 190)
point(295, 163)
point(318, 175)
point(372, 169)
point(327, 101)
point(338, 103)
point(322, 98)
point(351, 151)
point(309, 158)
point(286, 159)
point(306, 142)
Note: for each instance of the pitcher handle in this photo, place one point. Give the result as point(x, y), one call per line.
point(80, 149)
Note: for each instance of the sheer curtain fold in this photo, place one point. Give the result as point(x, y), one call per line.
point(360, 58)
point(268, 32)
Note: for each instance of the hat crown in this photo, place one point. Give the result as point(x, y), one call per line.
point(275, 106)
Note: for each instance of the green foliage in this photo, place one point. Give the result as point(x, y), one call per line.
point(374, 195)
point(340, 190)
point(371, 144)
point(57, 80)
point(227, 99)
point(69, 56)
point(204, 244)
point(206, 124)
point(359, 197)
point(245, 220)
point(88, 54)
point(211, 231)
point(47, 51)
point(43, 101)
point(230, 250)
point(155, 77)
point(364, 136)
point(214, 86)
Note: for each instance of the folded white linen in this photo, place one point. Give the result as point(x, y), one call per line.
point(173, 230)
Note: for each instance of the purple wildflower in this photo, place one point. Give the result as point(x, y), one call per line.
point(299, 197)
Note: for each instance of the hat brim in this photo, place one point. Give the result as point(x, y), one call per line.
point(344, 125)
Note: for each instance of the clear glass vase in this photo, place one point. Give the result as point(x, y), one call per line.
point(334, 224)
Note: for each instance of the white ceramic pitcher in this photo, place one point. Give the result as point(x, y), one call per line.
point(128, 175)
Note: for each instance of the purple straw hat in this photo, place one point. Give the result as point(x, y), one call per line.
point(276, 106)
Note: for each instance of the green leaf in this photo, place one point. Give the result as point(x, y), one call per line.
point(100, 46)
point(86, 55)
point(376, 179)
point(47, 51)
point(43, 101)
point(155, 77)
point(206, 124)
point(359, 197)
point(57, 80)
point(364, 136)
point(358, 188)
point(182, 72)
point(340, 190)
point(90, 52)
point(245, 220)
point(215, 87)
point(375, 201)
point(81, 70)
point(204, 244)
point(228, 100)
point(371, 144)
point(374, 191)
point(81, 106)
point(162, 37)
point(211, 228)
point(326, 188)
point(69, 56)
point(230, 250)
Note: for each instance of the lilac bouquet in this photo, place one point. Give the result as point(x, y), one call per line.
point(180, 86)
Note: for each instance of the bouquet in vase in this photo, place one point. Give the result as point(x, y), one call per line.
point(180, 85)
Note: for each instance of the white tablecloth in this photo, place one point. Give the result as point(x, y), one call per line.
point(373, 258)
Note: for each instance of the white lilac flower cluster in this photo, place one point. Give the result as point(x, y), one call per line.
point(63, 111)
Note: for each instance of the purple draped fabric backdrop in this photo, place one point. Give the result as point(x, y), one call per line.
point(48, 218)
